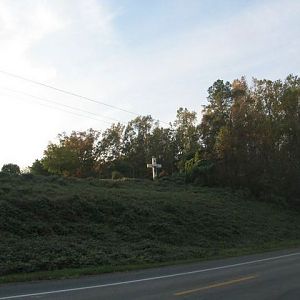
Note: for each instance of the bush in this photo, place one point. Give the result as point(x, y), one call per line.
point(27, 176)
point(11, 169)
point(116, 175)
point(200, 172)
point(38, 168)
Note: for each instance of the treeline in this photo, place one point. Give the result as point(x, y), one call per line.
point(248, 136)
point(123, 151)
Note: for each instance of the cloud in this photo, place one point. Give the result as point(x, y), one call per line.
point(176, 70)
point(267, 31)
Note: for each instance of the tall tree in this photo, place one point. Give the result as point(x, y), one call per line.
point(74, 155)
point(109, 151)
point(136, 144)
point(215, 115)
point(187, 136)
point(162, 146)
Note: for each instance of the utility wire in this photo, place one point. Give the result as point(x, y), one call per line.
point(67, 92)
point(70, 112)
point(58, 103)
point(72, 94)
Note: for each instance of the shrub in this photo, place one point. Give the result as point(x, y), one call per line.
point(116, 175)
point(38, 168)
point(27, 176)
point(199, 171)
point(11, 169)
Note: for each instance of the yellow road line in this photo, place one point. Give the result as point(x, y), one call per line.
point(216, 285)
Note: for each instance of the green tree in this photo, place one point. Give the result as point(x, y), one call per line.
point(162, 146)
point(109, 152)
point(136, 145)
point(74, 155)
point(215, 115)
point(254, 138)
point(186, 135)
point(38, 168)
point(110, 146)
point(11, 169)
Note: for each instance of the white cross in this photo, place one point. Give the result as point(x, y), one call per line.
point(154, 167)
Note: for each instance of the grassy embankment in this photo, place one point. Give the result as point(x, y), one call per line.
point(54, 227)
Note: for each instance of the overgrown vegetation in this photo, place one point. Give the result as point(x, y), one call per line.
point(249, 137)
point(52, 223)
point(248, 140)
point(11, 169)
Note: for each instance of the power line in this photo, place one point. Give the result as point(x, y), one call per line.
point(72, 94)
point(57, 103)
point(67, 92)
point(71, 112)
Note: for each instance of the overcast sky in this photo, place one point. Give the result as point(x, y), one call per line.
point(149, 57)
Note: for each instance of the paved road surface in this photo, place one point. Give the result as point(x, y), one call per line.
point(274, 275)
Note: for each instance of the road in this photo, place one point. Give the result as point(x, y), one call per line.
point(273, 275)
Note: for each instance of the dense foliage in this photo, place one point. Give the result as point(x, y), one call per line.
point(252, 135)
point(11, 169)
point(122, 150)
point(52, 222)
point(249, 136)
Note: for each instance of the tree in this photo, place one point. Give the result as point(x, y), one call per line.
point(11, 169)
point(74, 155)
point(38, 168)
point(109, 152)
point(162, 146)
point(136, 145)
point(249, 136)
point(110, 146)
point(186, 135)
point(215, 115)
point(253, 134)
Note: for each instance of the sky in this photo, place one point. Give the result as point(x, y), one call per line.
point(146, 57)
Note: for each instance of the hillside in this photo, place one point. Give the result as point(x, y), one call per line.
point(51, 223)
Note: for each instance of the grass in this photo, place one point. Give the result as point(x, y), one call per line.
point(51, 227)
point(96, 270)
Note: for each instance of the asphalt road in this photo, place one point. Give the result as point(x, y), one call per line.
point(274, 275)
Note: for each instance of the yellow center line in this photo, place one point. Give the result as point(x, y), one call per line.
point(216, 285)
